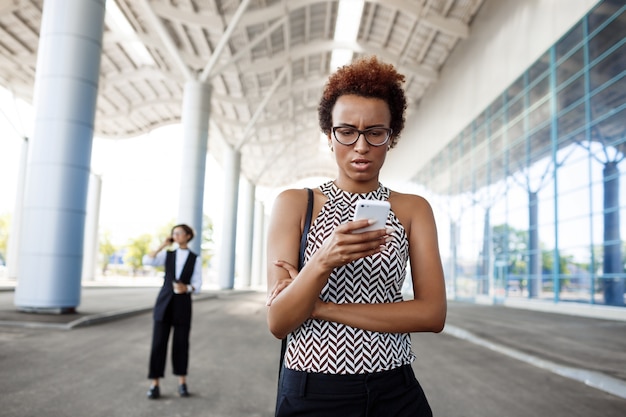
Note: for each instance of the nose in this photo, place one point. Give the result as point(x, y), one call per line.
point(361, 144)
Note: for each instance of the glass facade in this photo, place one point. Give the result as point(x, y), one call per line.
point(532, 187)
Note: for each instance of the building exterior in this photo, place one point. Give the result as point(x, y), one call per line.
point(530, 191)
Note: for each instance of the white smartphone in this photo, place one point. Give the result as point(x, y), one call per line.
point(372, 209)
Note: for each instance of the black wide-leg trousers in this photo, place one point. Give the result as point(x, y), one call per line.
point(180, 348)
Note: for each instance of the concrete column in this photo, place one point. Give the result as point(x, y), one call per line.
point(66, 89)
point(232, 165)
point(258, 252)
point(16, 222)
point(247, 232)
point(90, 259)
point(195, 120)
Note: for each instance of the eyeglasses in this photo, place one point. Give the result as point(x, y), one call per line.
point(375, 136)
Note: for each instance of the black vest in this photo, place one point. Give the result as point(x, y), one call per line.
point(170, 306)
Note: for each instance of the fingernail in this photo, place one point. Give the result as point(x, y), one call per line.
point(389, 230)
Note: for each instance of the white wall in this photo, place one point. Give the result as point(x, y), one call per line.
point(506, 37)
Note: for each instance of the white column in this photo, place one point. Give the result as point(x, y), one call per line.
point(247, 232)
point(232, 165)
point(16, 221)
point(66, 89)
point(90, 259)
point(195, 120)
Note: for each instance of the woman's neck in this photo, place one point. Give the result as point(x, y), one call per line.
point(356, 187)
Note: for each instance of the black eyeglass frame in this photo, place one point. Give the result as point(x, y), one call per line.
point(362, 132)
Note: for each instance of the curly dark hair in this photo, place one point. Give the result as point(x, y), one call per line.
point(365, 77)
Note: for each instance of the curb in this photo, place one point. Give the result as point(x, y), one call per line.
point(93, 319)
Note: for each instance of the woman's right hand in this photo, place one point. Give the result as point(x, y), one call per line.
point(347, 244)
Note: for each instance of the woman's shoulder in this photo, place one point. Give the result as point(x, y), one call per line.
point(292, 196)
point(406, 198)
point(411, 209)
point(292, 200)
point(409, 204)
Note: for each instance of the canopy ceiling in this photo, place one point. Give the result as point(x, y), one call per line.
point(266, 60)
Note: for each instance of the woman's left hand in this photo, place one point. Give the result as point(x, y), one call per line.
point(180, 288)
point(284, 283)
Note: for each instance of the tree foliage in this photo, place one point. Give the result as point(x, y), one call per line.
point(511, 246)
point(5, 227)
point(136, 249)
point(106, 249)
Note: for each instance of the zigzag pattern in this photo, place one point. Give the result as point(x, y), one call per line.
point(321, 346)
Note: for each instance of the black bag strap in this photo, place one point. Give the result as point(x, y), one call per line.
point(305, 232)
point(307, 226)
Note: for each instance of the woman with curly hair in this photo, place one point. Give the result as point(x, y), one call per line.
point(346, 322)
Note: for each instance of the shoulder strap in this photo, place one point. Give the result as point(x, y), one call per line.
point(307, 225)
point(305, 232)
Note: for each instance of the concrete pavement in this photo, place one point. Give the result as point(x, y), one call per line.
point(490, 360)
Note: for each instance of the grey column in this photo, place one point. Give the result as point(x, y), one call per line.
point(66, 88)
point(535, 277)
point(258, 252)
point(195, 120)
point(247, 231)
point(232, 164)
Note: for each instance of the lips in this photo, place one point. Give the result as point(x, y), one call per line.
point(361, 163)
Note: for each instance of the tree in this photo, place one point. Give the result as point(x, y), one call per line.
point(5, 227)
point(136, 249)
point(107, 249)
point(207, 240)
point(511, 245)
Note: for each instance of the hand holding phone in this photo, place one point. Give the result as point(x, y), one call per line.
point(377, 210)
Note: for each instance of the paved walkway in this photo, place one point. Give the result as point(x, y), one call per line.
point(490, 360)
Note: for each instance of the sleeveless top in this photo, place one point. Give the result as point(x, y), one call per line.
point(334, 348)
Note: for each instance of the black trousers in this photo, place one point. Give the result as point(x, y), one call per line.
point(392, 393)
point(180, 348)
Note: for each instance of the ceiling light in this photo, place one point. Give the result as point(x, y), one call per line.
point(349, 14)
point(118, 23)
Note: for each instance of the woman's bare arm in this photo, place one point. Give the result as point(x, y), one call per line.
point(292, 298)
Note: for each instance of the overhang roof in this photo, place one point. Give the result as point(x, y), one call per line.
point(266, 60)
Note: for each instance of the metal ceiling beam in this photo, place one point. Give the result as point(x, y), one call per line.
point(171, 48)
point(243, 51)
point(9, 6)
point(224, 40)
point(246, 134)
point(447, 25)
point(189, 16)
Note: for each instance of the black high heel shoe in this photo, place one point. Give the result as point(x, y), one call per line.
point(182, 390)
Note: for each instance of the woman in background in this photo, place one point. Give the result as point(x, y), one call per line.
point(183, 277)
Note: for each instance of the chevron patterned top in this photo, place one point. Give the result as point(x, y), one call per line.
point(334, 348)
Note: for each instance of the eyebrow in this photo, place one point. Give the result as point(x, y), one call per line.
point(366, 127)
